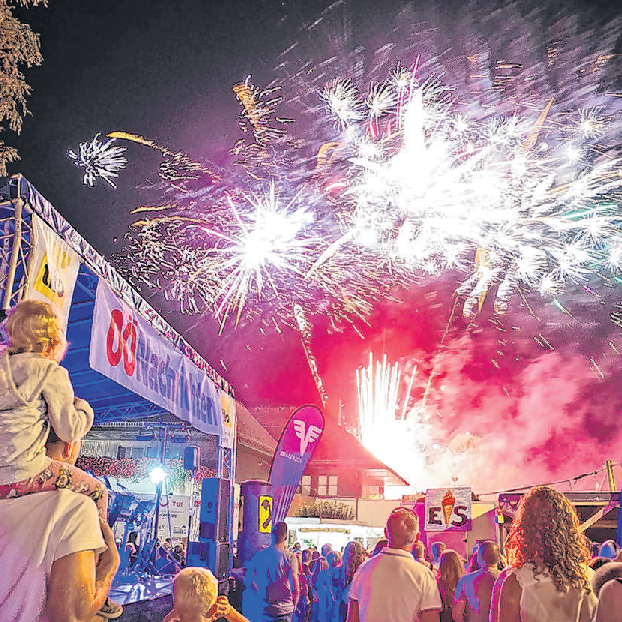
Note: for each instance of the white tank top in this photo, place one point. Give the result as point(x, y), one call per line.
point(542, 602)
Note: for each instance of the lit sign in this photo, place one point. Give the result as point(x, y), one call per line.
point(448, 508)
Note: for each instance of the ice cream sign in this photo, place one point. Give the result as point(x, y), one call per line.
point(448, 508)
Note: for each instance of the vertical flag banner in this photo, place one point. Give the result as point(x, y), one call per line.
point(227, 406)
point(127, 349)
point(298, 441)
point(52, 270)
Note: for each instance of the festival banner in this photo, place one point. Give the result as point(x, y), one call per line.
point(127, 349)
point(52, 269)
point(227, 407)
point(448, 508)
point(298, 441)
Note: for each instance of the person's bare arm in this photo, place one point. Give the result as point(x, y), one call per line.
point(506, 601)
point(77, 588)
point(295, 581)
point(430, 615)
point(353, 611)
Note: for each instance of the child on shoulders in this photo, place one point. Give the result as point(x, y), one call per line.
point(36, 395)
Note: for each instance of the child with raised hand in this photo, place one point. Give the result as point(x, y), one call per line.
point(195, 599)
point(36, 395)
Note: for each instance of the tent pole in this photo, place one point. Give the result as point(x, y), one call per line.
point(17, 243)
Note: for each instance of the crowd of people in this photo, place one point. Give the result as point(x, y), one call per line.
point(549, 575)
point(59, 557)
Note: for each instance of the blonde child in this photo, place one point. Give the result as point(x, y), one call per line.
point(195, 599)
point(36, 395)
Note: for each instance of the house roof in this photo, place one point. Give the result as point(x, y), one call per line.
point(251, 434)
point(337, 448)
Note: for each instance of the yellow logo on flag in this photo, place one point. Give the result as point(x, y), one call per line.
point(265, 514)
point(48, 281)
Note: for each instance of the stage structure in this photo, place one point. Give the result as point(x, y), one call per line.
point(123, 357)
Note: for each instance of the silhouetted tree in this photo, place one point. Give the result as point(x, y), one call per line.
point(19, 46)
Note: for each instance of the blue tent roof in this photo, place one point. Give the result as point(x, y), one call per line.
point(110, 400)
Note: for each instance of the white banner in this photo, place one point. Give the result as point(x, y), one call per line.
point(227, 406)
point(52, 269)
point(127, 349)
point(448, 508)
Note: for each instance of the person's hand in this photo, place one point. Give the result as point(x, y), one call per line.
point(220, 609)
point(109, 559)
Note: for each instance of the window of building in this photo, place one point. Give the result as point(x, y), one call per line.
point(327, 485)
point(322, 481)
point(305, 485)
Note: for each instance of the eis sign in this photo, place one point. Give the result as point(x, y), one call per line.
point(125, 348)
point(448, 508)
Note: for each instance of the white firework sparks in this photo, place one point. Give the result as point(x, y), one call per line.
point(270, 239)
point(414, 177)
point(99, 159)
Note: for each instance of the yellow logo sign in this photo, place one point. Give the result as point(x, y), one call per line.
point(265, 514)
point(48, 280)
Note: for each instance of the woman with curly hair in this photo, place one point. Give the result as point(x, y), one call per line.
point(353, 556)
point(547, 576)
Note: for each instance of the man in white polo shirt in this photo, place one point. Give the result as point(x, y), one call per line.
point(392, 585)
point(50, 567)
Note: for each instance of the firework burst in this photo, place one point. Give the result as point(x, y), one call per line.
point(385, 180)
point(99, 159)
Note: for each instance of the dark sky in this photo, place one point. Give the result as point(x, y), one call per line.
point(165, 70)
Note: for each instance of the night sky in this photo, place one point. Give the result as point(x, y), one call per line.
point(165, 70)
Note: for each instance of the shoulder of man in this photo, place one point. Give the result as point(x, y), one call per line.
point(77, 527)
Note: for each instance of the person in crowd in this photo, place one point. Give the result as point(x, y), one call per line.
point(473, 563)
point(195, 599)
point(547, 578)
point(607, 585)
point(598, 562)
point(320, 564)
point(62, 557)
point(437, 549)
point(353, 557)
point(608, 549)
point(474, 590)
point(392, 585)
point(326, 549)
point(450, 570)
point(179, 553)
point(605, 573)
point(272, 574)
point(302, 608)
point(325, 587)
point(35, 396)
point(379, 546)
point(419, 554)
